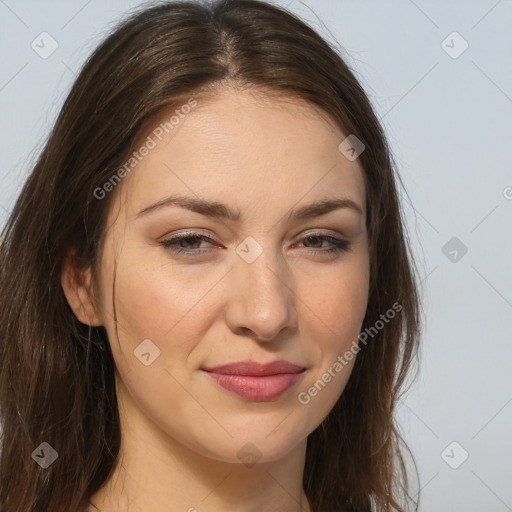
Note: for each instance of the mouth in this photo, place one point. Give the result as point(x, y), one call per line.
point(256, 382)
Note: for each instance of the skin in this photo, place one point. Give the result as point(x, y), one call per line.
point(263, 156)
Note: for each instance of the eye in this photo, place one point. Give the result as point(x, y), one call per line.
point(188, 239)
point(188, 244)
point(316, 240)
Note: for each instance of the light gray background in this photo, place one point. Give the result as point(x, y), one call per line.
point(449, 121)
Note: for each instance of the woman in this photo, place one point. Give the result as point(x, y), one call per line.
point(208, 300)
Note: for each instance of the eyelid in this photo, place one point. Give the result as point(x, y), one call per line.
point(191, 233)
point(320, 231)
point(303, 234)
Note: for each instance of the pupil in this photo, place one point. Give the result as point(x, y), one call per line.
point(189, 239)
point(309, 238)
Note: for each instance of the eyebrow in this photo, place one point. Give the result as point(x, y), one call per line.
point(219, 210)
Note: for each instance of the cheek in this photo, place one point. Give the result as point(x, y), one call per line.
point(339, 301)
point(335, 314)
point(341, 309)
point(155, 300)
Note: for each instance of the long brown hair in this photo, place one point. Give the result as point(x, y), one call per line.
point(57, 375)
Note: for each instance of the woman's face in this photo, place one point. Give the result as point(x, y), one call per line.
point(264, 284)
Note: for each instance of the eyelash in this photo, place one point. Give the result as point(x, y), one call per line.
point(339, 245)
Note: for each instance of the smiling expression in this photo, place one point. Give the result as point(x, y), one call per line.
point(240, 237)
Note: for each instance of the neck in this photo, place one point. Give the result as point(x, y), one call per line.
point(157, 473)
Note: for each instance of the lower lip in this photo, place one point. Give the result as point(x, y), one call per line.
point(257, 389)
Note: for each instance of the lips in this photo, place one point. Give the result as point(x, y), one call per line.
point(255, 369)
point(256, 381)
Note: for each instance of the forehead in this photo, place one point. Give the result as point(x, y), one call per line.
point(246, 145)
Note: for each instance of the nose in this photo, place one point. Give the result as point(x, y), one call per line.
point(262, 300)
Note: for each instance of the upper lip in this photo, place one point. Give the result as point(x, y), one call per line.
point(253, 368)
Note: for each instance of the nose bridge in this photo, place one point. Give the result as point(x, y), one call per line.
point(262, 298)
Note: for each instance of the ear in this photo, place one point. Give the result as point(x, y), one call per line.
point(76, 284)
